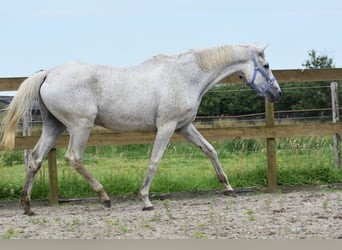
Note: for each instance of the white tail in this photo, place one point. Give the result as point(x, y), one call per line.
point(21, 103)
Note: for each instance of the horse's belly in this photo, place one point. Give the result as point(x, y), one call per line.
point(126, 123)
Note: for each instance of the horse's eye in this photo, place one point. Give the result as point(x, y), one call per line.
point(266, 66)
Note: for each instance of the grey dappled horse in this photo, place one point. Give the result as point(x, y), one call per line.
point(161, 94)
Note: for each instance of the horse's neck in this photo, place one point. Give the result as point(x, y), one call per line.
point(217, 63)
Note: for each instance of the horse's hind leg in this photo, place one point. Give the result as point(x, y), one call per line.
point(74, 156)
point(192, 134)
point(52, 129)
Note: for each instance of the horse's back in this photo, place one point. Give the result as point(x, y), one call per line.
point(116, 98)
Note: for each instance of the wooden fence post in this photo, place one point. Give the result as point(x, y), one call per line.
point(271, 152)
point(52, 163)
point(335, 118)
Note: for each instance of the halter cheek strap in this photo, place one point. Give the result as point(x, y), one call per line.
point(270, 80)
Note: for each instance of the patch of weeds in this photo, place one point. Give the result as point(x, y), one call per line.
point(96, 235)
point(117, 224)
point(148, 226)
point(199, 235)
point(75, 225)
point(72, 229)
point(212, 214)
point(185, 224)
point(156, 217)
point(251, 213)
point(200, 232)
point(38, 220)
point(57, 219)
point(76, 221)
point(124, 229)
point(166, 205)
point(325, 204)
point(11, 233)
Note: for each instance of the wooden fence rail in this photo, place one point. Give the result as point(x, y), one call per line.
point(269, 131)
point(212, 134)
point(284, 75)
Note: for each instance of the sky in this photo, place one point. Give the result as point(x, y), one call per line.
point(40, 34)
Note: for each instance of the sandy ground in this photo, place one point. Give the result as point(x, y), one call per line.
point(295, 215)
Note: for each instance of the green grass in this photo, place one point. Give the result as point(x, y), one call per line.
point(121, 169)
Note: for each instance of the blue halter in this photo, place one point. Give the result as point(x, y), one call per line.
point(270, 80)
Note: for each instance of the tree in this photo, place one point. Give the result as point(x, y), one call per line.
point(318, 62)
point(309, 95)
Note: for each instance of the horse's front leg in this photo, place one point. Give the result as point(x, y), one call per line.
point(162, 139)
point(192, 134)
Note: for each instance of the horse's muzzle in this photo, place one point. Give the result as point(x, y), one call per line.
point(273, 95)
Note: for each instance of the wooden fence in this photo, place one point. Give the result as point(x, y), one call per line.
point(269, 131)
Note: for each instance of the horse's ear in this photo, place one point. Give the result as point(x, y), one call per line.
point(263, 49)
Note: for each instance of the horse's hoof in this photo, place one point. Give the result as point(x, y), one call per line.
point(107, 203)
point(148, 209)
point(27, 209)
point(230, 193)
point(29, 213)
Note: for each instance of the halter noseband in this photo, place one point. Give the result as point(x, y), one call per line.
point(270, 80)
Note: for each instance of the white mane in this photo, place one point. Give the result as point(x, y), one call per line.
point(223, 55)
point(209, 58)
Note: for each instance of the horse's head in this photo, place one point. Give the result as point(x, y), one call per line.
point(258, 76)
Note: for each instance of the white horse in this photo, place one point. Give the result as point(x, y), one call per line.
point(161, 94)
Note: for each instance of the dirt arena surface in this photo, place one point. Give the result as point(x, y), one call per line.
point(313, 214)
